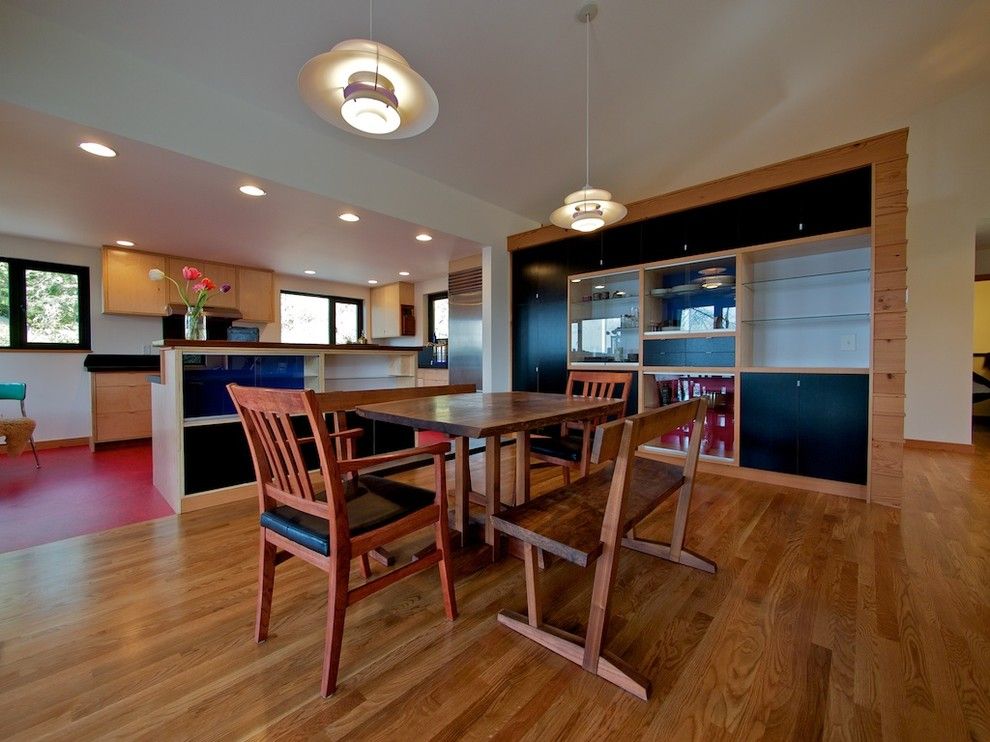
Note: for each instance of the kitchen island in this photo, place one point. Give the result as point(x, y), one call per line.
point(200, 455)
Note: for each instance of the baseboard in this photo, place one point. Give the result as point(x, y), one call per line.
point(938, 446)
point(52, 443)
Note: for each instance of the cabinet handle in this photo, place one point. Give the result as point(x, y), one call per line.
point(799, 382)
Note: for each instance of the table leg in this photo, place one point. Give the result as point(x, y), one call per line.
point(522, 467)
point(462, 487)
point(493, 487)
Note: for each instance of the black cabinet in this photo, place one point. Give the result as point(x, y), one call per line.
point(814, 425)
point(539, 319)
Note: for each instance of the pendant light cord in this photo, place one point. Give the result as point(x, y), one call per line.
point(371, 20)
point(587, 101)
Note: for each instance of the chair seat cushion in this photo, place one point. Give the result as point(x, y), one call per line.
point(372, 503)
point(568, 448)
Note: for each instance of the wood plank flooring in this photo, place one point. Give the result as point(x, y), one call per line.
point(828, 618)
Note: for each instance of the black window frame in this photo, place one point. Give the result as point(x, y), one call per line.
point(430, 300)
point(332, 301)
point(17, 270)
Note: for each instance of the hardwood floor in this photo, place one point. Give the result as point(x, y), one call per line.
point(827, 618)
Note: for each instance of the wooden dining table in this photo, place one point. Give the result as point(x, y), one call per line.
point(489, 415)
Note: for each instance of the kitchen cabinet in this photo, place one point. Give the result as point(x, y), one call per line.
point(126, 287)
point(121, 406)
point(219, 273)
point(256, 294)
point(393, 311)
point(813, 425)
point(127, 290)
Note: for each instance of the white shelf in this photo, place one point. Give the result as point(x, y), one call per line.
point(660, 335)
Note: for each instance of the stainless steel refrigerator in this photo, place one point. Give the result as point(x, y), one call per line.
point(464, 352)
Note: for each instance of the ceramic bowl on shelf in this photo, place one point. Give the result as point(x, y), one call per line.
point(683, 288)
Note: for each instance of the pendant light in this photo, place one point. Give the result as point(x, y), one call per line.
point(589, 208)
point(368, 88)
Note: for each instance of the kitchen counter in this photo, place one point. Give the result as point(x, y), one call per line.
point(224, 344)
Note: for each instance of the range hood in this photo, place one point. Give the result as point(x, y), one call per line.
point(208, 311)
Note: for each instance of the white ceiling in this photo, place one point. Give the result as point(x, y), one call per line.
point(173, 204)
point(681, 91)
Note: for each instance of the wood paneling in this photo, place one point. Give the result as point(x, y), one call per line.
point(889, 301)
point(890, 325)
point(890, 280)
point(888, 404)
point(888, 383)
point(889, 428)
point(891, 257)
point(888, 355)
point(890, 228)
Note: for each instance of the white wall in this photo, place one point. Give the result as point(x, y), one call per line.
point(58, 386)
point(949, 195)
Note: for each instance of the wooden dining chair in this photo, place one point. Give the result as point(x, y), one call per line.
point(329, 526)
point(586, 523)
point(571, 448)
point(16, 391)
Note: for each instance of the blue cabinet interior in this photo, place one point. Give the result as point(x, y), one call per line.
point(205, 379)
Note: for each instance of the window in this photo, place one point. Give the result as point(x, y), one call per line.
point(307, 318)
point(43, 305)
point(437, 305)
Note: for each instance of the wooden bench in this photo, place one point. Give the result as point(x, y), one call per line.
point(586, 523)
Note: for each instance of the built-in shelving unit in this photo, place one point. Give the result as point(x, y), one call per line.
point(604, 319)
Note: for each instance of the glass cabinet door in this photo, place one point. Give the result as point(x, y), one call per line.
point(691, 297)
point(604, 318)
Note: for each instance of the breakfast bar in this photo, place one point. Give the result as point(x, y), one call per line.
point(200, 456)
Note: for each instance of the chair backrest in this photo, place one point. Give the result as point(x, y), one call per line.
point(338, 403)
point(598, 385)
point(619, 440)
point(16, 390)
point(276, 448)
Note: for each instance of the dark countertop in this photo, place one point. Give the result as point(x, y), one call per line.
point(102, 362)
point(221, 344)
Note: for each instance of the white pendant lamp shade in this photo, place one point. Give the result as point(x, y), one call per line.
point(587, 210)
point(368, 88)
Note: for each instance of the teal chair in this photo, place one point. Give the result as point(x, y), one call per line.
point(17, 391)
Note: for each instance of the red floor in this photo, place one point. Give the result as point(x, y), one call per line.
point(75, 492)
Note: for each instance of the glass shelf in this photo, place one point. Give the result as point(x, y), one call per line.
point(604, 318)
point(825, 274)
point(758, 320)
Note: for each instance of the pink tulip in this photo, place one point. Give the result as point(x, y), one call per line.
point(191, 274)
point(197, 287)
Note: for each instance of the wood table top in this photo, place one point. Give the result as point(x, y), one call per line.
point(489, 414)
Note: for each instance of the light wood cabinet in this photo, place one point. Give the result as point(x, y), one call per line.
point(127, 289)
point(121, 406)
point(256, 294)
point(217, 272)
point(393, 311)
point(126, 286)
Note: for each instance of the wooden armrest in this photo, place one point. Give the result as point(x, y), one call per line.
point(349, 433)
point(435, 449)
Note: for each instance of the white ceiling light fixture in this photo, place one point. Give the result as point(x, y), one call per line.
point(251, 190)
point(372, 281)
point(349, 217)
point(403, 273)
point(95, 148)
point(589, 208)
point(310, 273)
point(366, 87)
point(424, 237)
point(125, 243)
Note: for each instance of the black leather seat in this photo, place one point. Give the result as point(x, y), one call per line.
point(372, 503)
point(568, 448)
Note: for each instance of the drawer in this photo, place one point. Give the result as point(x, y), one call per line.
point(120, 378)
point(114, 399)
point(121, 426)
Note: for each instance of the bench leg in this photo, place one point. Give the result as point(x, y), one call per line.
point(662, 551)
point(534, 600)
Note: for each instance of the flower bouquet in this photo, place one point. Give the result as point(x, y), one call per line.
point(193, 296)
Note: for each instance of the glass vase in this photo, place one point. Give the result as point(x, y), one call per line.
point(195, 324)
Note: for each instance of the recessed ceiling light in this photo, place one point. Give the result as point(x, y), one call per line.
point(424, 237)
point(349, 217)
point(599, 286)
point(125, 243)
point(310, 273)
point(251, 190)
point(372, 281)
point(575, 280)
point(403, 273)
point(95, 148)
